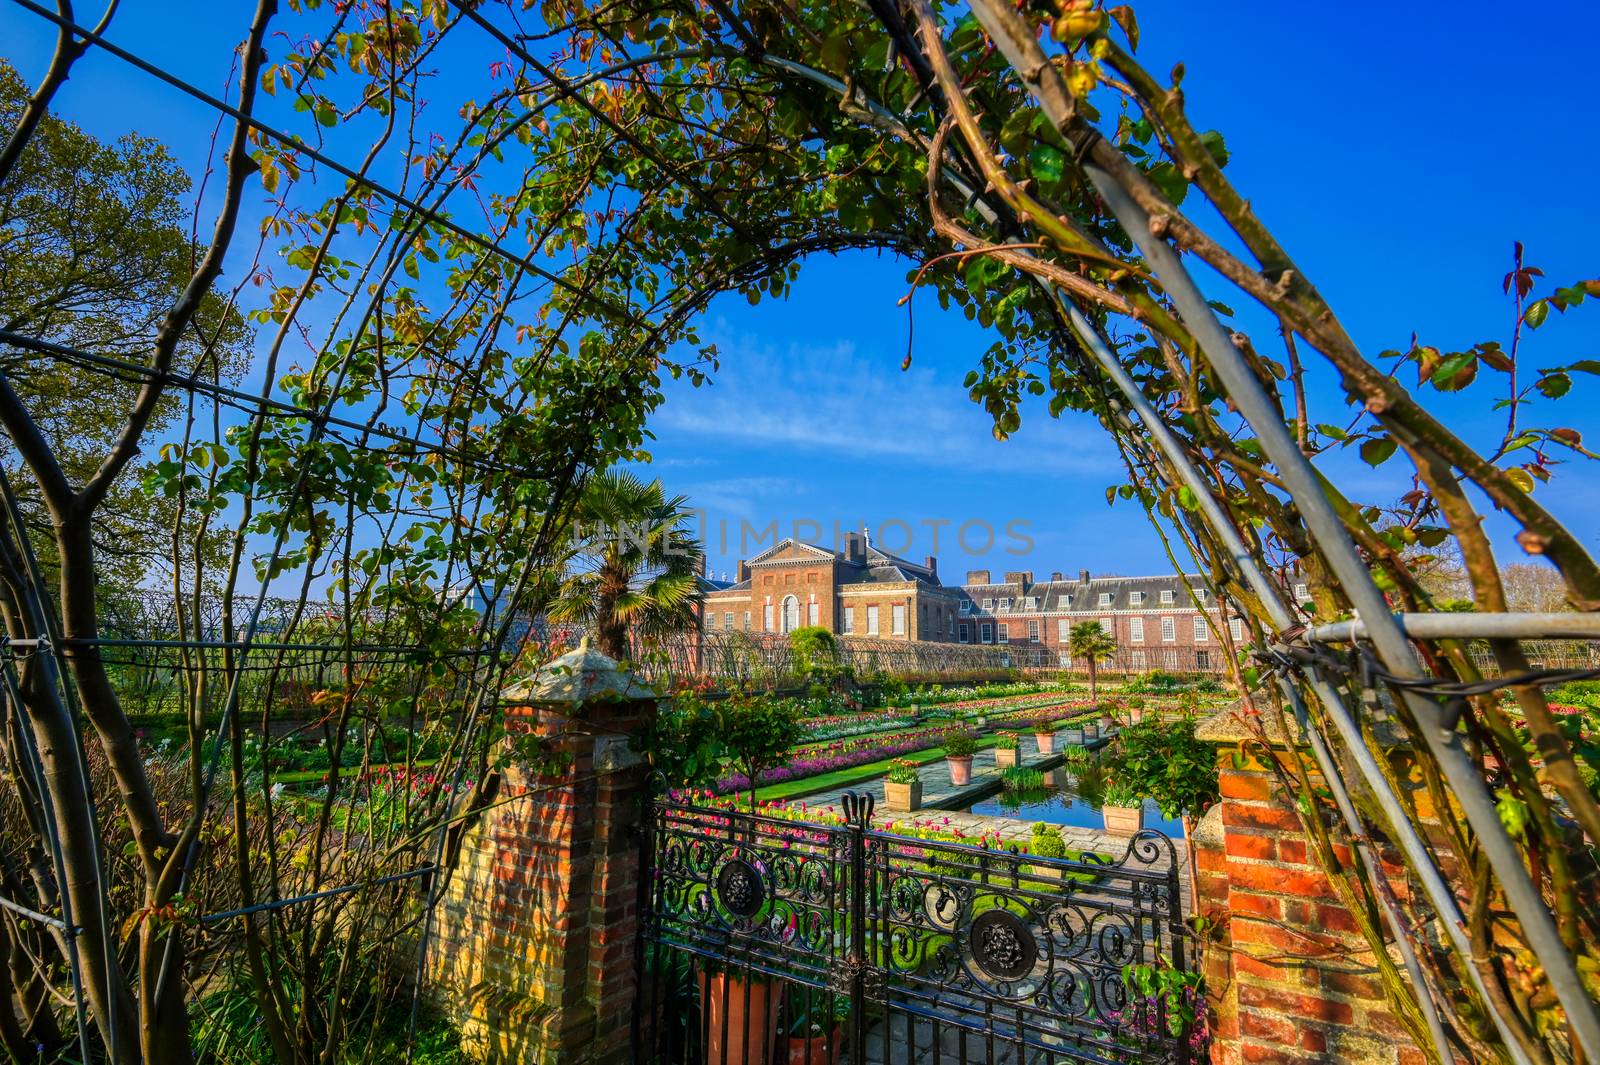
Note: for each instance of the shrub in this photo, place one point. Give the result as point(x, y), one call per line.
point(960, 745)
point(1044, 725)
point(815, 652)
point(1007, 741)
point(1047, 842)
point(1163, 760)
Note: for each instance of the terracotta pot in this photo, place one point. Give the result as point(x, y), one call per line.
point(1135, 714)
point(817, 1050)
point(1123, 820)
point(1046, 742)
point(902, 797)
point(960, 771)
point(752, 1018)
point(1004, 758)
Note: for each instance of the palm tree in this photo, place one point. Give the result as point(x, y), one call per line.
point(1089, 641)
point(635, 564)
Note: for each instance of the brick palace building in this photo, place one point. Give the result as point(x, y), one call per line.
point(862, 591)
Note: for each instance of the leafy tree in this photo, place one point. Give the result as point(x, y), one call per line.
point(94, 242)
point(1088, 641)
point(636, 565)
point(815, 651)
point(757, 732)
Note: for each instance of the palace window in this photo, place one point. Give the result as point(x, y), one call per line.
point(1135, 598)
point(1004, 635)
point(1169, 630)
point(1201, 634)
point(1033, 632)
point(791, 613)
point(962, 629)
point(1166, 597)
point(1136, 630)
point(966, 606)
point(1105, 598)
point(766, 618)
point(897, 614)
point(747, 621)
point(1236, 629)
point(988, 604)
point(1064, 602)
point(1136, 659)
point(1062, 624)
point(1031, 603)
point(1005, 604)
point(986, 632)
point(1108, 626)
point(849, 620)
point(1301, 593)
point(1202, 660)
point(813, 612)
point(727, 621)
point(872, 621)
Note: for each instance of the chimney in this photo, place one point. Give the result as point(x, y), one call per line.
point(1083, 576)
point(933, 565)
point(1055, 575)
point(1022, 577)
point(744, 570)
point(855, 547)
point(977, 576)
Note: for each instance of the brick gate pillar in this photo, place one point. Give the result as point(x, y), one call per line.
point(1291, 978)
point(534, 950)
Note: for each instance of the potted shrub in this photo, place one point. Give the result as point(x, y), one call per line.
point(814, 1035)
point(1046, 843)
point(1044, 734)
point(1122, 804)
point(1135, 709)
point(902, 788)
point(1108, 716)
point(1005, 749)
point(740, 1015)
point(959, 747)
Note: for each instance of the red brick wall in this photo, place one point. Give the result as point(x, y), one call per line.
point(1291, 977)
point(534, 951)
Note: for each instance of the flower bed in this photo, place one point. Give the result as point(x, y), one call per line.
point(813, 759)
point(840, 726)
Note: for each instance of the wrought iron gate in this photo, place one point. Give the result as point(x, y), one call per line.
point(863, 946)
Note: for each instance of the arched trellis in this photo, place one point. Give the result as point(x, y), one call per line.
point(930, 91)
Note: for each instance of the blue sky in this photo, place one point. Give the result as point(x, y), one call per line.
point(1396, 157)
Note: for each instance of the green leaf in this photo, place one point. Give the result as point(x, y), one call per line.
point(1521, 478)
point(1513, 813)
point(1048, 164)
point(1555, 385)
point(1536, 313)
point(1376, 452)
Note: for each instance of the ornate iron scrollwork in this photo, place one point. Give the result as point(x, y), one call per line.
point(740, 888)
point(1003, 945)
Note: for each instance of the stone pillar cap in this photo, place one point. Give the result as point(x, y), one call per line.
point(581, 675)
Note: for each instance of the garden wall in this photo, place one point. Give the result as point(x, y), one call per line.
point(1291, 979)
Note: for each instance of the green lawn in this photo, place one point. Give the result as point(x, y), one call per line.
point(840, 778)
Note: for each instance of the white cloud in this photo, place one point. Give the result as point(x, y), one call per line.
point(834, 398)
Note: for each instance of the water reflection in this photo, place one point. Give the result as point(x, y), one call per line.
point(1058, 803)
